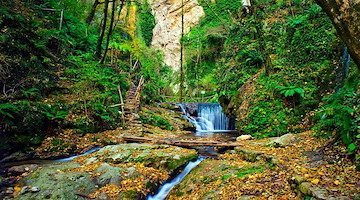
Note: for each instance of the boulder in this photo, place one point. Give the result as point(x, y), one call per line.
point(285, 140)
point(107, 168)
point(109, 175)
point(17, 156)
point(248, 154)
point(23, 168)
point(244, 137)
point(156, 156)
point(57, 183)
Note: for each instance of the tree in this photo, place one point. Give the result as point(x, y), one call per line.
point(102, 34)
point(345, 15)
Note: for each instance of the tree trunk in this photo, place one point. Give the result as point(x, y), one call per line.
point(111, 27)
point(345, 15)
point(101, 37)
point(92, 12)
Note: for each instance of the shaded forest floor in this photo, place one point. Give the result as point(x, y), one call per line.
point(303, 169)
point(307, 167)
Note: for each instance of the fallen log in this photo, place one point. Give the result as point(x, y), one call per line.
point(181, 143)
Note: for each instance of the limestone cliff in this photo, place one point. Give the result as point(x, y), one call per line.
point(167, 32)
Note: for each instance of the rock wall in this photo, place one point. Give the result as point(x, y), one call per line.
point(167, 31)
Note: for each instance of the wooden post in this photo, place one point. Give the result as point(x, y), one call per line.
point(122, 106)
point(61, 19)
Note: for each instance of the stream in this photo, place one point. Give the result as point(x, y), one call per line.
point(166, 188)
point(209, 122)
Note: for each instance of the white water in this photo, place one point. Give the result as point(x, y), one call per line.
point(210, 118)
point(166, 188)
point(212, 112)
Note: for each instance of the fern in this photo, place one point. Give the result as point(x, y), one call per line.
point(289, 91)
point(7, 110)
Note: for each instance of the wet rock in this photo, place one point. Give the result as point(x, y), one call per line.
point(306, 189)
point(244, 137)
point(9, 190)
point(150, 155)
point(110, 175)
point(65, 180)
point(17, 156)
point(103, 196)
point(56, 182)
point(24, 190)
point(248, 154)
point(285, 140)
point(34, 189)
point(23, 168)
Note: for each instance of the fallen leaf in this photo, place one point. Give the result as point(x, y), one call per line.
point(315, 181)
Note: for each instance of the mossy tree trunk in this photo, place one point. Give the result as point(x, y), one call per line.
point(345, 15)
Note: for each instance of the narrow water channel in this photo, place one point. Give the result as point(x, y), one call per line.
point(166, 188)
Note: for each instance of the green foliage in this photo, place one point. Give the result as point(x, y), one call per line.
point(289, 91)
point(146, 23)
point(7, 109)
point(152, 118)
point(339, 114)
point(53, 112)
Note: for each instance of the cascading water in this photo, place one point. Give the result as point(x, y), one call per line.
point(212, 112)
point(166, 188)
point(209, 118)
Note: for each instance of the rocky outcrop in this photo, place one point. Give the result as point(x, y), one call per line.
point(128, 171)
point(241, 101)
point(306, 189)
point(167, 31)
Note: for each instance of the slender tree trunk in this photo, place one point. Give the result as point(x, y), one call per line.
point(345, 15)
point(181, 53)
point(92, 12)
point(102, 34)
point(112, 26)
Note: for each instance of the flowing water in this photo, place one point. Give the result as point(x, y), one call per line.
point(210, 120)
point(166, 188)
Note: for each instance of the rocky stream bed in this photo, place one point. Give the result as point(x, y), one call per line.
point(292, 166)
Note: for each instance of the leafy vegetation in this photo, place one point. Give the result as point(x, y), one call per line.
point(297, 50)
point(274, 66)
point(50, 79)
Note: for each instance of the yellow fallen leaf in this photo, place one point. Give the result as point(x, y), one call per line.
point(321, 173)
point(315, 181)
point(337, 182)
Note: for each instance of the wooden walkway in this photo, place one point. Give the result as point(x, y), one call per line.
point(132, 106)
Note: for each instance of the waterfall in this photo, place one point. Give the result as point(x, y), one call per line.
point(212, 112)
point(343, 69)
point(209, 118)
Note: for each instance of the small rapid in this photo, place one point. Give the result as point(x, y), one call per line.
point(166, 188)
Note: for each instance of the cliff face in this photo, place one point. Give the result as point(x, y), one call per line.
point(167, 32)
